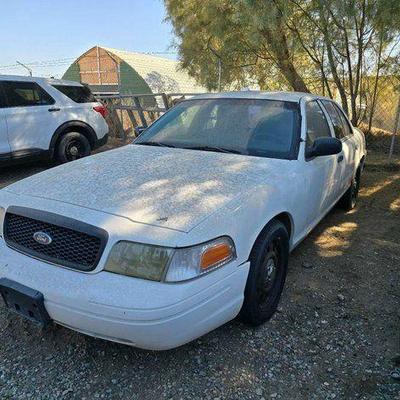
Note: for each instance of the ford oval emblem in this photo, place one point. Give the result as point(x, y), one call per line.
point(42, 238)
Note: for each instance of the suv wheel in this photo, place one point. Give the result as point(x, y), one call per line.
point(268, 268)
point(72, 146)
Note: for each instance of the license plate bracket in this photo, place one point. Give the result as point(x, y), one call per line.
point(24, 301)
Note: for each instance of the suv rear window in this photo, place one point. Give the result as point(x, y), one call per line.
point(78, 94)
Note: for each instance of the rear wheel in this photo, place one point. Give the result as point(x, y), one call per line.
point(72, 146)
point(268, 268)
point(349, 199)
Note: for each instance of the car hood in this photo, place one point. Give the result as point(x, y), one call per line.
point(171, 188)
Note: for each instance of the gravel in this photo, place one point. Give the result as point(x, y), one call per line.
point(335, 335)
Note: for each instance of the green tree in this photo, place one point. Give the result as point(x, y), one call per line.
point(305, 45)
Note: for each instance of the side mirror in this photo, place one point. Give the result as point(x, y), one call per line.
point(139, 130)
point(324, 146)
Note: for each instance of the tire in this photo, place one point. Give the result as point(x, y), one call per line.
point(72, 146)
point(267, 274)
point(349, 199)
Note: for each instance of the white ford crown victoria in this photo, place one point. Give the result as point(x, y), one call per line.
point(156, 243)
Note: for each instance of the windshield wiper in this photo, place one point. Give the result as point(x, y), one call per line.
point(214, 148)
point(155, 144)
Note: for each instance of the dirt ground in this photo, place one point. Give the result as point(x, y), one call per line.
point(336, 334)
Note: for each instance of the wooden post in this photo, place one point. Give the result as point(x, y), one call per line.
point(132, 118)
point(395, 129)
point(122, 117)
point(140, 111)
point(116, 121)
point(165, 101)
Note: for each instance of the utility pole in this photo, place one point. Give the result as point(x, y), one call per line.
point(26, 67)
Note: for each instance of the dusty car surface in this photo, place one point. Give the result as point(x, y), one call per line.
point(159, 242)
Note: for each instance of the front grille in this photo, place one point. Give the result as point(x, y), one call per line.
point(74, 244)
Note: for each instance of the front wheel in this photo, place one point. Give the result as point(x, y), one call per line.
point(72, 146)
point(268, 268)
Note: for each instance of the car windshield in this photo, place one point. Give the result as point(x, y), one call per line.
point(265, 128)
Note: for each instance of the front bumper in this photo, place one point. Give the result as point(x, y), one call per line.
point(145, 314)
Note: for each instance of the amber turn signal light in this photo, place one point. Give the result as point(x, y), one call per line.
point(215, 255)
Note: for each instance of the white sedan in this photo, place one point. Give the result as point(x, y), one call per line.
point(157, 243)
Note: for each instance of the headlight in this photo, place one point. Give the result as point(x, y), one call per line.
point(2, 214)
point(169, 264)
point(139, 260)
point(190, 262)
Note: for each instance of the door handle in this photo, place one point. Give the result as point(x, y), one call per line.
point(340, 158)
point(53, 109)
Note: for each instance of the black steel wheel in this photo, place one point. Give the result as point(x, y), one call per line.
point(268, 268)
point(349, 199)
point(73, 146)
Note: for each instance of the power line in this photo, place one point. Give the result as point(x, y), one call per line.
point(68, 60)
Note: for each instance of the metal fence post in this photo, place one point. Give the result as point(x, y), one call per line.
point(395, 128)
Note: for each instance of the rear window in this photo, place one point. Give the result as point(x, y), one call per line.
point(78, 94)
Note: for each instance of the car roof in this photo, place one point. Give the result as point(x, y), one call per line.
point(294, 97)
point(50, 81)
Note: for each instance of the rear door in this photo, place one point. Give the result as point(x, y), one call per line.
point(30, 114)
point(344, 132)
point(4, 145)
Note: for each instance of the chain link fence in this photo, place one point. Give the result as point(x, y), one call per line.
point(379, 114)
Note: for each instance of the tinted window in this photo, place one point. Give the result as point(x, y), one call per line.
point(78, 94)
point(317, 125)
point(262, 128)
point(25, 94)
point(2, 98)
point(346, 127)
point(334, 115)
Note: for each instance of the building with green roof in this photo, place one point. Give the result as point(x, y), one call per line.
point(109, 72)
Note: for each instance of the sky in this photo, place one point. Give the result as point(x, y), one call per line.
point(52, 33)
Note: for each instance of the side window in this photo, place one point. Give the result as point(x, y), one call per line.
point(317, 125)
point(78, 94)
point(25, 94)
point(335, 118)
point(346, 127)
point(2, 98)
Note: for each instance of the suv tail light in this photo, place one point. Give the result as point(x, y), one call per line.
point(101, 110)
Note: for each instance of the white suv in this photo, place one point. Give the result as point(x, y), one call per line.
point(50, 118)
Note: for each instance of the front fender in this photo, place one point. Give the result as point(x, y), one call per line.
point(244, 218)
